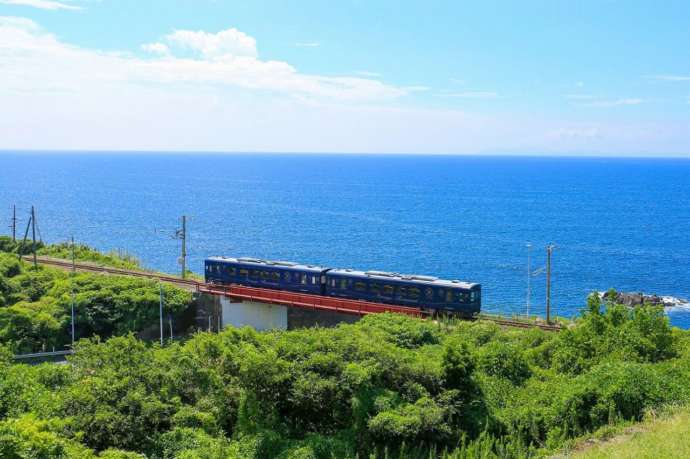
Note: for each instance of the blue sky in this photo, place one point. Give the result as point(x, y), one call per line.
point(536, 77)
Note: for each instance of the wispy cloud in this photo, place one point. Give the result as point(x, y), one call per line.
point(473, 94)
point(309, 44)
point(228, 58)
point(669, 77)
point(156, 48)
point(613, 102)
point(366, 73)
point(41, 4)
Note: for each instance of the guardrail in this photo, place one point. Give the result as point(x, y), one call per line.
point(41, 356)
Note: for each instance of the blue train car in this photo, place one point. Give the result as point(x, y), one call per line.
point(279, 275)
point(426, 292)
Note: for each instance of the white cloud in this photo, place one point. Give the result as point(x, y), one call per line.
point(310, 44)
point(227, 58)
point(230, 42)
point(41, 4)
point(365, 73)
point(156, 48)
point(669, 77)
point(613, 102)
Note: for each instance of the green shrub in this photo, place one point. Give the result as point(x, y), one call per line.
point(503, 360)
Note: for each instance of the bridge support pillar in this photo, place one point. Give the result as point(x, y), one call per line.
point(260, 316)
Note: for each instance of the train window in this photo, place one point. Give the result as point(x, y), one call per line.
point(360, 286)
point(429, 294)
point(230, 271)
point(265, 275)
point(474, 296)
point(343, 284)
point(244, 273)
point(374, 288)
point(332, 282)
point(388, 290)
point(253, 274)
point(275, 276)
point(402, 292)
point(286, 276)
point(314, 280)
point(303, 279)
point(413, 293)
point(449, 296)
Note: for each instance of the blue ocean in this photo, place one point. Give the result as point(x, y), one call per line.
point(616, 223)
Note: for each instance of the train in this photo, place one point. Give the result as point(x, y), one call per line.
point(428, 293)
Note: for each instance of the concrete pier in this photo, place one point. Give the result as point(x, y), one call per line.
point(260, 316)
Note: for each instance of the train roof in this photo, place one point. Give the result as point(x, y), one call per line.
point(417, 278)
point(288, 265)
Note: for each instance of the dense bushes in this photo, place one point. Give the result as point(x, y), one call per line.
point(35, 305)
point(388, 385)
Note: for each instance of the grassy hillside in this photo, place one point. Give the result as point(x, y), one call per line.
point(667, 436)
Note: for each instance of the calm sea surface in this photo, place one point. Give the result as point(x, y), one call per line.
point(618, 223)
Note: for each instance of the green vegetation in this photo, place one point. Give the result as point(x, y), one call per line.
point(387, 386)
point(659, 436)
point(64, 250)
point(85, 253)
point(35, 305)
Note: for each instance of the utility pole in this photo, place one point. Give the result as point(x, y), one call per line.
point(14, 223)
point(20, 251)
point(160, 311)
point(549, 250)
point(529, 276)
point(74, 270)
point(182, 234)
point(33, 235)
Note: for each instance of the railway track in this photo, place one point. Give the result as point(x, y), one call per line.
point(192, 285)
point(521, 324)
point(187, 284)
